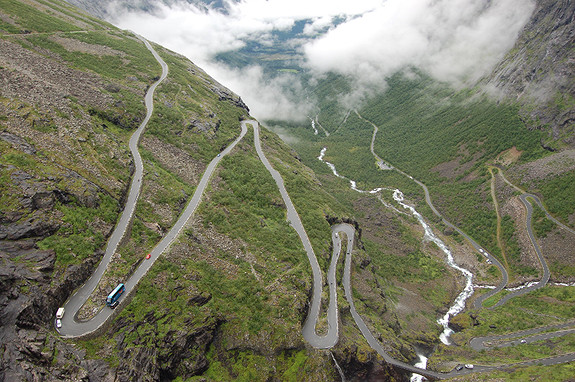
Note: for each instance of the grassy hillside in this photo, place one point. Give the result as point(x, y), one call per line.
point(229, 299)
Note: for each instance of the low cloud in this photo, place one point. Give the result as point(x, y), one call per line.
point(456, 41)
point(203, 33)
point(279, 98)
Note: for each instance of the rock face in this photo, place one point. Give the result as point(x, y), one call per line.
point(27, 305)
point(180, 353)
point(360, 366)
point(539, 71)
point(226, 95)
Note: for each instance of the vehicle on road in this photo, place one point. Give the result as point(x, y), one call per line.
point(523, 341)
point(115, 294)
point(468, 366)
point(60, 312)
point(458, 367)
point(58, 323)
point(114, 304)
point(148, 257)
point(219, 154)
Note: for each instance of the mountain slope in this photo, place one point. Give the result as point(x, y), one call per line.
point(538, 71)
point(229, 298)
point(232, 293)
point(101, 8)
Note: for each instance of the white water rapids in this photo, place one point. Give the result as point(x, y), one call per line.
point(352, 183)
point(315, 132)
point(459, 303)
point(422, 363)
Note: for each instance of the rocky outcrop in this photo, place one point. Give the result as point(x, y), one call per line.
point(34, 226)
point(359, 365)
point(18, 142)
point(28, 301)
point(539, 71)
point(204, 126)
point(179, 353)
point(32, 287)
point(226, 95)
point(35, 215)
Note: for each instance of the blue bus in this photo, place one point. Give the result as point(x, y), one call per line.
point(115, 295)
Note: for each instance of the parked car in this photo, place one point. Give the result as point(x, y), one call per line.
point(468, 366)
point(58, 323)
point(60, 312)
point(523, 341)
point(458, 367)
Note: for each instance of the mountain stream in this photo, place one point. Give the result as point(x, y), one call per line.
point(459, 303)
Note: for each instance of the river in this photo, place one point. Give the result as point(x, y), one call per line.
point(459, 303)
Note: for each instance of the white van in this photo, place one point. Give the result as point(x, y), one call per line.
point(60, 313)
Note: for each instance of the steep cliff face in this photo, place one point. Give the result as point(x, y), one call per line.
point(539, 71)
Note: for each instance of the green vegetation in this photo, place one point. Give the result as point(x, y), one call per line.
point(541, 224)
point(441, 137)
point(512, 248)
point(312, 203)
point(559, 196)
point(8, 28)
point(546, 306)
point(237, 278)
point(250, 207)
point(423, 124)
point(123, 55)
point(561, 269)
point(30, 18)
point(561, 372)
point(190, 114)
point(77, 239)
point(416, 267)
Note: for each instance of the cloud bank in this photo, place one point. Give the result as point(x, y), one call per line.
point(453, 40)
point(456, 41)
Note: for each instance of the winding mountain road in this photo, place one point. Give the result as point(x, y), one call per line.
point(504, 275)
point(546, 274)
point(478, 303)
point(538, 201)
point(73, 328)
point(70, 326)
point(349, 231)
point(478, 343)
point(524, 197)
point(528, 336)
point(309, 328)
